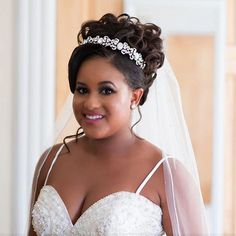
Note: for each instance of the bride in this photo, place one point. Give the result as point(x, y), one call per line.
point(108, 179)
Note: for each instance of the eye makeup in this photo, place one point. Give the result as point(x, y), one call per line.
point(104, 88)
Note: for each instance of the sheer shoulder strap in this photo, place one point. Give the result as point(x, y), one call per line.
point(53, 162)
point(142, 185)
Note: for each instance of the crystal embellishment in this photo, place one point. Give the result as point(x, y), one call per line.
point(115, 44)
point(120, 213)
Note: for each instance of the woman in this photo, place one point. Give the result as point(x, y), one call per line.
point(107, 180)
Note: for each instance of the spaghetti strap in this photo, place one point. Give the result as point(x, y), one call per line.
point(142, 185)
point(53, 162)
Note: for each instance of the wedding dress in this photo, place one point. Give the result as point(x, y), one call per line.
point(120, 213)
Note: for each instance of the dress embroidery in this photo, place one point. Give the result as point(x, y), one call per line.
point(119, 213)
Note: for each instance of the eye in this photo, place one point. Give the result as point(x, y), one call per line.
point(81, 90)
point(106, 91)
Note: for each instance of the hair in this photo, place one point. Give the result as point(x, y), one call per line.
point(144, 37)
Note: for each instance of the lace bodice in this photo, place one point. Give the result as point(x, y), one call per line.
point(120, 213)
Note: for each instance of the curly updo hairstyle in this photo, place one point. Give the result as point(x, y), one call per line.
point(144, 37)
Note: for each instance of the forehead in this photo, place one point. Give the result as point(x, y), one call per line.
point(95, 70)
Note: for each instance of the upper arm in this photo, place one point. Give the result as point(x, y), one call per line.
point(166, 220)
point(182, 201)
point(40, 174)
point(166, 217)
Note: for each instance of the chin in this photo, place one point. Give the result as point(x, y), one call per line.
point(95, 135)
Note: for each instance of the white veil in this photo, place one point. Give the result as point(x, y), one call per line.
point(164, 125)
point(163, 121)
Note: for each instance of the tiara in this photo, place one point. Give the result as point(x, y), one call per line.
point(115, 44)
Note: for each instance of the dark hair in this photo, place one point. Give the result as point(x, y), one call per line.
point(144, 37)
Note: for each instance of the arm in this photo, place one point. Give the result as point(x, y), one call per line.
point(166, 220)
point(40, 174)
point(184, 200)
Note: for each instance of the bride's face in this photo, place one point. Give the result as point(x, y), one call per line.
point(102, 99)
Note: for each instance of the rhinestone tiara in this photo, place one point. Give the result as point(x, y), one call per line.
point(115, 44)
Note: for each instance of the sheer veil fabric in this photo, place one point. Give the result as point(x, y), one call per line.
point(163, 124)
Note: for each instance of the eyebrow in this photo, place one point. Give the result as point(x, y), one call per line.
point(100, 83)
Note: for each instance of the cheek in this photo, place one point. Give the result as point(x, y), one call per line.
point(121, 106)
point(76, 106)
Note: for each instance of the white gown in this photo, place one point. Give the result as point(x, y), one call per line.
point(120, 213)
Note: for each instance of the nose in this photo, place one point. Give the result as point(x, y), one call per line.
point(92, 102)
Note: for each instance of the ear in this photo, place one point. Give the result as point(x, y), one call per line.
point(136, 96)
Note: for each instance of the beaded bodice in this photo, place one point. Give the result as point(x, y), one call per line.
point(120, 213)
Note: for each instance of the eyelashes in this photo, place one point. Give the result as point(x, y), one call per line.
point(105, 90)
point(81, 90)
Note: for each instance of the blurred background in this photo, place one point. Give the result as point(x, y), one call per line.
point(37, 38)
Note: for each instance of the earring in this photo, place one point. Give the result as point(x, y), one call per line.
point(132, 106)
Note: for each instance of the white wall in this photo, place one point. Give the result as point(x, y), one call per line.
point(6, 113)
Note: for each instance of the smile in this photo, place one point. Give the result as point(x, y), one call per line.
point(94, 117)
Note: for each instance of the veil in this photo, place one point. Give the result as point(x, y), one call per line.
point(163, 124)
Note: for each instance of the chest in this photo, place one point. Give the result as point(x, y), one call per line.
point(81, 180)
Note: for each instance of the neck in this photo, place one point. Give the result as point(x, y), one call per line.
point(113, 146)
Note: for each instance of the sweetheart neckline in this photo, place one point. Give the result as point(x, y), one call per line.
point(98, 202)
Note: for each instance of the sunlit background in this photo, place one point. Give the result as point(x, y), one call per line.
point(37, 38)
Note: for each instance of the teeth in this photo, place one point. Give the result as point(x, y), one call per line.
point(93, 117)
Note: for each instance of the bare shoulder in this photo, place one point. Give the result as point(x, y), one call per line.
point(43, 166)
point(48, 156)
point(157, 183)
point(40, 174)
point(151, 152)
point(151, 155)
